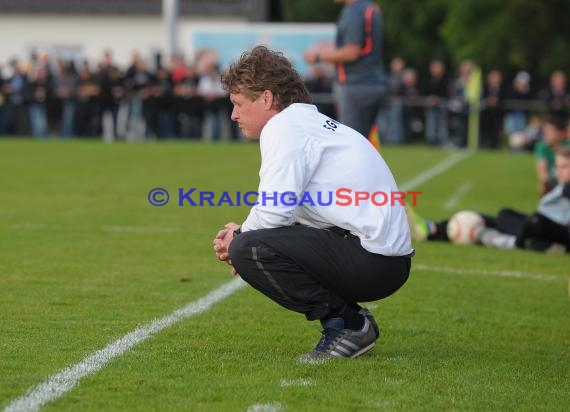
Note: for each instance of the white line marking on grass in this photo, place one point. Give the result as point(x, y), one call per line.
point(265, 407)
point(393, 381)
point(62, 382)
point(285, 383)
point(106, 228)
point(434, 171)
point(139, 229)
point(486, 272)
point(31, 226)
point(456, 196)
point(36, 226)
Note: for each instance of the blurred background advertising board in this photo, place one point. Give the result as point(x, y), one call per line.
point(230, 39)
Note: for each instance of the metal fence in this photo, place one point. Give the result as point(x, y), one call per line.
point(404, 120)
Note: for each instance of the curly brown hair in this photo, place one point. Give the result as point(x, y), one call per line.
point(262, 69)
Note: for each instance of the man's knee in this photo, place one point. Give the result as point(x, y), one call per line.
point(240, 247)
point(249, 255)
point(251, 249)
point(247, 245)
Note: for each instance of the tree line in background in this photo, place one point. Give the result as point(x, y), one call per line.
point(508, 35)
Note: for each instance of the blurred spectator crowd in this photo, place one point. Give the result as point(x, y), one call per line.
point(52, 97)
point(42, 97)
point(434, 106)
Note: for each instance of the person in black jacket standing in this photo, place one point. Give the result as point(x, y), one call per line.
point(436, 92)
point(492, 110)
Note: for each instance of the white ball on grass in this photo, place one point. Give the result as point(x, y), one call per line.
point(464, 227)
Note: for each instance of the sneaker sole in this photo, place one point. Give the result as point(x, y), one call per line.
point(309, 360)
point(363, 350)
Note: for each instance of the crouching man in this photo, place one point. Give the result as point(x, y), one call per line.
point(315, 259)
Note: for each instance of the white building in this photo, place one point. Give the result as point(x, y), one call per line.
point(84, 29)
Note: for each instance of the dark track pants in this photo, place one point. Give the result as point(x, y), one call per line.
point(359, 105)
point(315, 271)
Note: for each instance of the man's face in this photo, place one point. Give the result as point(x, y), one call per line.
point(562, 169)
point(250, 115)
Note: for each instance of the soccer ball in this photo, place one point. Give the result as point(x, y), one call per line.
point(464, 227)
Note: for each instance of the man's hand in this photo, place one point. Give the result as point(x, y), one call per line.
point(222, 243)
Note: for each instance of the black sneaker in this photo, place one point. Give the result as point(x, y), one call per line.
point(366, 313)
point(343, 343)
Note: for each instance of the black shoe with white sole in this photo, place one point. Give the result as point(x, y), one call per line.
point(344, 343)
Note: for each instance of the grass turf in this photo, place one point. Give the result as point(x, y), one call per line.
point(86, 259)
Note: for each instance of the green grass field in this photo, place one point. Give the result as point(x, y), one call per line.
point(85, 259)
